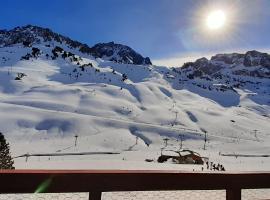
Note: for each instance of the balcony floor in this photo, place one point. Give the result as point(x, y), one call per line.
point(254, 194)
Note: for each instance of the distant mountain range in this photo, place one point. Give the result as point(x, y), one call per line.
point(252, 63)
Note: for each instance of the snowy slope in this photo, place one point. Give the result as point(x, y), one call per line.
point(109, 105)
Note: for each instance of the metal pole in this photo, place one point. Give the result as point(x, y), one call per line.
point(95, 195)
point(76, 137)
point(233, 194)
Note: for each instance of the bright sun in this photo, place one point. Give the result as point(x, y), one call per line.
point(216, 19)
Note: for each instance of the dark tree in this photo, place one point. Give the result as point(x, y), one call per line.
point(26, 43)
point(190, 76)
point(26, 57)
point(35, 52)
point(58, 49)
point(6, 161)
point(64, 55)
point(82, 68)
point(124, 77)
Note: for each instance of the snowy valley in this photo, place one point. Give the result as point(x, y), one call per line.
point(109, 98)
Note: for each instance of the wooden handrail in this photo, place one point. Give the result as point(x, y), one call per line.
point(98, 181)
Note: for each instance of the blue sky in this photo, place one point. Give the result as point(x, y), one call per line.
point(162, 29)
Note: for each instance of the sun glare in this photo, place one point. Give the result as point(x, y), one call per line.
point(216, 19)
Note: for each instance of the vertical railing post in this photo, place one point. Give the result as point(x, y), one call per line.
point(233, 194)
point(95, 195)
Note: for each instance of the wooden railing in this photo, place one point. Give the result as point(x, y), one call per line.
point(97, 181)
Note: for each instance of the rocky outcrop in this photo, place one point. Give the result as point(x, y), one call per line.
point(119, 53)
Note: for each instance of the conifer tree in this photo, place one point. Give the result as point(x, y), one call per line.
point(6, 161)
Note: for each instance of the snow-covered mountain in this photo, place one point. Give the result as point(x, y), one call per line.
point(53, 88)
point(229, 72)
point(252, 64)
point(28, 35)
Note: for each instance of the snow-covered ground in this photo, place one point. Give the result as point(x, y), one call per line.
point(59, 99)
point(258, 194)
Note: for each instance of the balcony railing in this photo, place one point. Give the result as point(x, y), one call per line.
point(97, 181)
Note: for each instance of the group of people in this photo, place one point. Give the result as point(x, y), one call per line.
point(214, 167)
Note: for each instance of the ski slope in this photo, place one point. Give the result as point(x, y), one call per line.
point(87, 97)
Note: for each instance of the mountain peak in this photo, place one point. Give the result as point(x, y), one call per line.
point(119, 53)
point(36, 35)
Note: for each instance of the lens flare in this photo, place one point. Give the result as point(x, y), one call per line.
point(216, 19)
point(43, 186)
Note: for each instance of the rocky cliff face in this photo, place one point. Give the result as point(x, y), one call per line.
point(252, 63)
point(119, 53)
